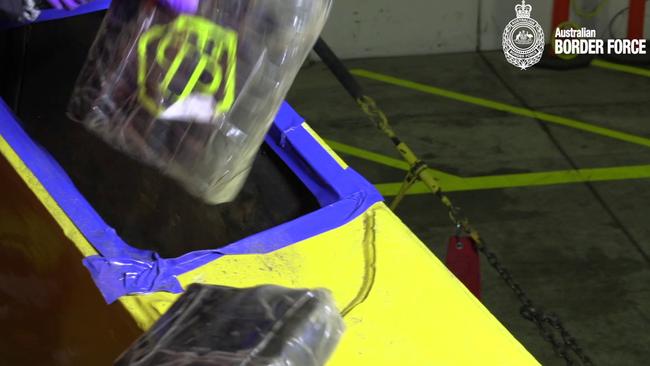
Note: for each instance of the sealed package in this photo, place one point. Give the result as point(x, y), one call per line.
point(222, 326)
point(195, 94)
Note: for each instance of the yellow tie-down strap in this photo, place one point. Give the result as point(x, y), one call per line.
point(402, 306)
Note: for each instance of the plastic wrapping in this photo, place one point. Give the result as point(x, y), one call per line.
point(194, 95)
point(262, 326)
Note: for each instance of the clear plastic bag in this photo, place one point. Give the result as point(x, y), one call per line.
point(194, 95)
point(222, 326)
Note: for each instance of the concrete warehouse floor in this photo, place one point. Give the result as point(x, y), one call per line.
point(578, 248)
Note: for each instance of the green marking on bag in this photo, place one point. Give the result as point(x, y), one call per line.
point(189, 39)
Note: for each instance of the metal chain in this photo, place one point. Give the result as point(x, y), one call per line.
point(549, 325)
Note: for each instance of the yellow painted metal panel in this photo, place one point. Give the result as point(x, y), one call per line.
point(403, 307)
point(413, 311)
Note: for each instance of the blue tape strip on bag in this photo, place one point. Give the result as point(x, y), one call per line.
point(121, 270)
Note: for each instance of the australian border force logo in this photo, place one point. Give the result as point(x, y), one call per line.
point(523, 38)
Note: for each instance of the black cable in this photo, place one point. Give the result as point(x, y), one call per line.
point(338, 69)
point(611, 21)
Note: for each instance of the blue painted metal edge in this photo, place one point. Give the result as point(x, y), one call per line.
point(120, 269)
point(53, 14)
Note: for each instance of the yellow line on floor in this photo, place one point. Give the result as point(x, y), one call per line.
point(527, 179)
point(452, 183)
point(379, 158)
point(367, 155)
point(623, 68)
point(559, 120)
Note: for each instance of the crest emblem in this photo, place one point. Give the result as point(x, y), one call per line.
point(523, 38)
